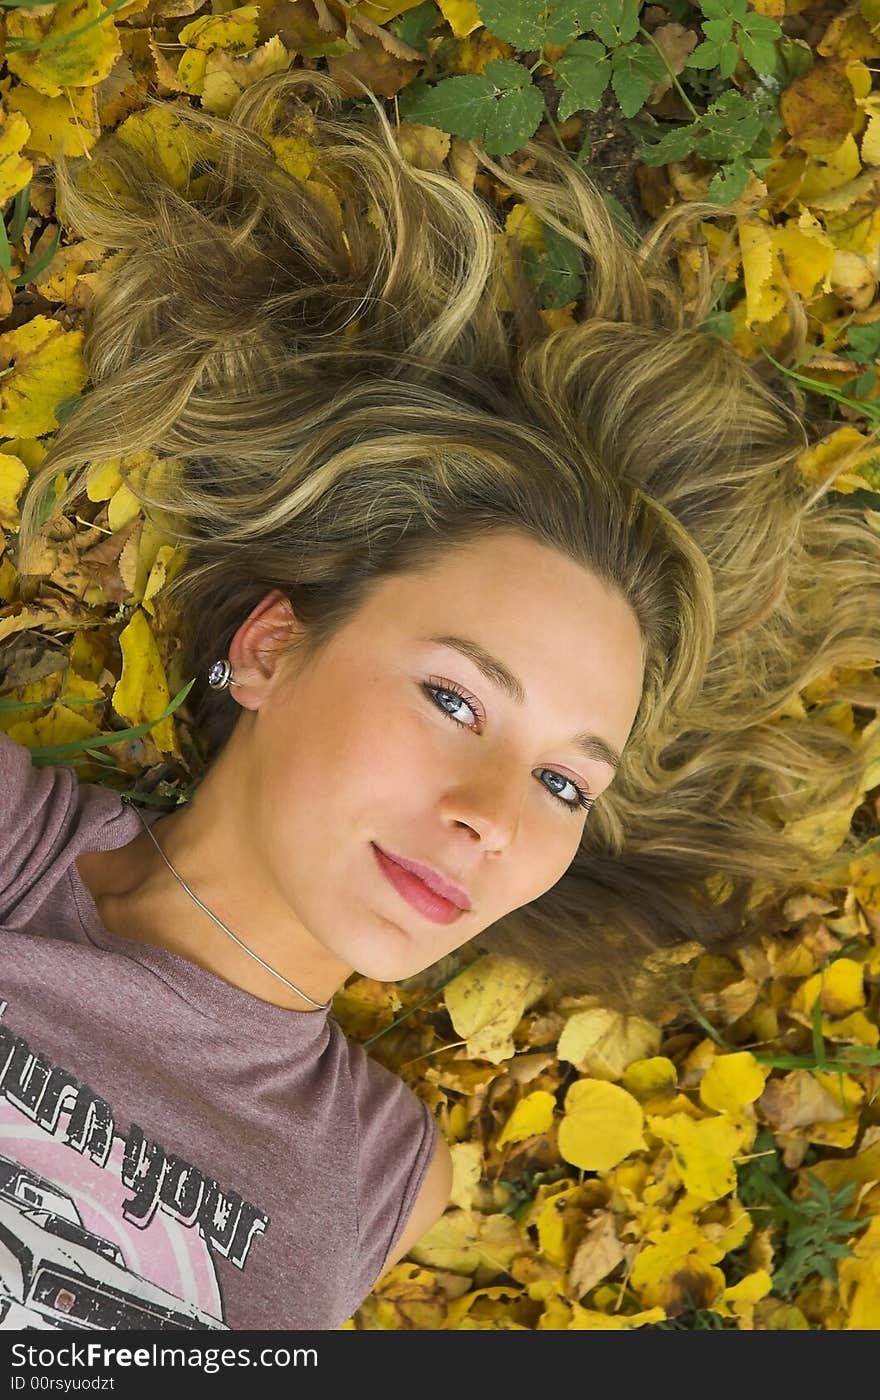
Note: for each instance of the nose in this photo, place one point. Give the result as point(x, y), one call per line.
point(489, 800)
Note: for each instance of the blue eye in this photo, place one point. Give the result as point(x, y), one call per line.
point(447, 692)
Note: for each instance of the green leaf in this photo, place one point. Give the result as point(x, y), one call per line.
point(582, 75)
point(414, 26)
point(816, 1026)
point(5, 251)
point(634, 70)
point(42, 261)
point(527, 24)
point(728, 183)
point(20, 213)
point(512, 119)
point(457, 105)
point(502, 109)
point(865, 341)
point(719, 323)
point(719, 30)
point(704, 56)
point(507, 73)
point(674, 144)
point(557, 272)
point(615, 22)
point(729, 128)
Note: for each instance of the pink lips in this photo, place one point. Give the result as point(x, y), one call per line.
point(422, 887)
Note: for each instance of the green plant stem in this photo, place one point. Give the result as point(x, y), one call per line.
point(665, 61)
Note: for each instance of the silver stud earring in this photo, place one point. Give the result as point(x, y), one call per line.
point(220, 675)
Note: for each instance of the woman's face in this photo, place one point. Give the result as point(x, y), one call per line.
point(392, 740)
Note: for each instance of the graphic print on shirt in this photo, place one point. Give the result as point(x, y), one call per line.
point(100, 1231)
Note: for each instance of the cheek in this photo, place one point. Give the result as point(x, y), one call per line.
point(354, 756)
point(546, 848)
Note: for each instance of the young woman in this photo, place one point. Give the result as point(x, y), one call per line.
point(492, 626)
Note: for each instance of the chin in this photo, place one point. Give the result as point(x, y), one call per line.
point(389, 970)
point(391, 961)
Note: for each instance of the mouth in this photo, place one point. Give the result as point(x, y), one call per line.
point(417, 892)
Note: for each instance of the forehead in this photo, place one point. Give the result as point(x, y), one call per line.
point(551, 620)
point(499, 577)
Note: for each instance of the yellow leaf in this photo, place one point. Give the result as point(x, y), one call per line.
point(797, 1099)
point(549, 1215)
point(602, 1125)
point(677, 1267)
point(48, 367)
point(739, 1299)
point(142, 690)
point(383, 13)
point(486, 1003)
point(462, 16)
point(830, 171)
point(587, 1320)
point(67, 123)
point(467, 1171)
point(650, 1078)
point(732, 1081)
point(425, 147)
point(82, 60)
point(818, 109)
point(703, 1151)
point(15, 169)
point(859, 1278)
point(852, 1028)
point(104, 479)
point(806, 251)
point(825, 830)
point(167, 564)
point(847, 1093)
point(157, 134)
point(764, 297)
point(14, 476)
point(191, 71)
point(59, 725)
point(603, 1043)
point(295, 154)
point(533, 1114)
point(236, 30)
point(226, 76)
point(842, 989)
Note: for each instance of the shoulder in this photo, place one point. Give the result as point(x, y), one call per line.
point(430, 1203)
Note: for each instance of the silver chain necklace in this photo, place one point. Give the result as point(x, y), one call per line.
point(325, 1006)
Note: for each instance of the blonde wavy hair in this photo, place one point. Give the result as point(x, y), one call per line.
point(344, 399)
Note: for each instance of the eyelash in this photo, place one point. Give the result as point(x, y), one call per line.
point(583, 799)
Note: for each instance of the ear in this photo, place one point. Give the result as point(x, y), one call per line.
point(256, 650)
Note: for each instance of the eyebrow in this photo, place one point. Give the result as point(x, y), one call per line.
point(592, 745)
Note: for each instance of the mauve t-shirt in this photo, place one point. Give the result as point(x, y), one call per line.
point(175, 1153)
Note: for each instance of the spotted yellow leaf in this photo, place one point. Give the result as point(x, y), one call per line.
point(235, 31)
point(602, 1043)
point(67, 123)
point(45, 365)
point(486, 1003)
point(83, 58)
point(15, 169)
